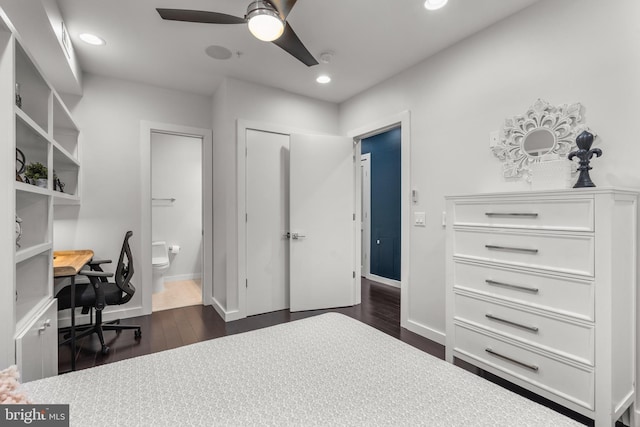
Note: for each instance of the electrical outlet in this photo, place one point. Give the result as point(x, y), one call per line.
point(419, 219)
point(494, 138)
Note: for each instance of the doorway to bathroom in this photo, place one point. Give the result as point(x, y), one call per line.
point(176, 220)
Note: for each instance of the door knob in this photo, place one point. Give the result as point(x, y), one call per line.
point(297, 236)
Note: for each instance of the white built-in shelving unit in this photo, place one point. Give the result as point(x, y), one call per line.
point(44, 130)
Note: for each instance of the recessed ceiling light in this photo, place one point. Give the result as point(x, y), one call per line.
point(323, 79)
point(92, 39)
point(434, 4)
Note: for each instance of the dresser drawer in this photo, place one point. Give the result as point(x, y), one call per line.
point(569, 381)
point(573, 340)
point(556, 252)
point(567, 296)
point(572, 214)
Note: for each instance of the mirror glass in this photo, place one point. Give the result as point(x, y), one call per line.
point(538, 142)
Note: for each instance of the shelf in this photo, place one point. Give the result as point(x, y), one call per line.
point(30, 140)
point(34, 285)
point(62, 157)
point(65, 130)
point(30, 122)
point(34, 90)
point(29, 252)
point(30, 188)
point(67, 170)
point(65, 199)
point(34, 211)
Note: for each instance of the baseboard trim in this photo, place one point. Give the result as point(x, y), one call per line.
point(107, 315)
point(227, 316)
point(426, 331)
point(383, 280)
point(180, 277)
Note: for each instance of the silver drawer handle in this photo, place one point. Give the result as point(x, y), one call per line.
point(523, 214)
point(508, 285)
point(534, 368)
point(509, 322)
point(507, 248)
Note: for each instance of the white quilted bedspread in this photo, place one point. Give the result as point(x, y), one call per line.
point(327, 370)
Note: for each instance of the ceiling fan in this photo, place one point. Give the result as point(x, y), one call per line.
point(266, 20)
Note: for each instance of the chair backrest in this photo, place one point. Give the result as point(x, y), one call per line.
point(124, 270)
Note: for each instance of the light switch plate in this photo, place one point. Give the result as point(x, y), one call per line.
point(419, 219)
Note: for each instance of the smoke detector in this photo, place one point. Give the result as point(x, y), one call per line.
point(326, 57)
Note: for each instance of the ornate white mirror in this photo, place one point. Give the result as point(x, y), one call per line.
point(542, 130)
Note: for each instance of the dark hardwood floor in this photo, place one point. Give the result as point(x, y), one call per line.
point(173, 328)
point(163, 330)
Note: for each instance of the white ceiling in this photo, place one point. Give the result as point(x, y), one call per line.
point(372, 40)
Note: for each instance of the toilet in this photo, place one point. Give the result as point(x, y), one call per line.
point(160, 263)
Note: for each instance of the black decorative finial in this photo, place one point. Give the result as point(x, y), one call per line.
point(584, 153)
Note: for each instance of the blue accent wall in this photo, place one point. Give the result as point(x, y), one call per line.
point(385, 202)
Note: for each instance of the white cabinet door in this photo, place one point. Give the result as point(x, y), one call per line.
point(322, 248)
point(37, 346)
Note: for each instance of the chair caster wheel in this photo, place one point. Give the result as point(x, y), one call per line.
point(105, 350)
point(137, 334)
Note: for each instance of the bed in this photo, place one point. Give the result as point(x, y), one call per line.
point(324, 370)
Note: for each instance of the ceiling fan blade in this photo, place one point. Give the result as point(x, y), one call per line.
point(283, 7)
point(290, 42)
point(199, 16)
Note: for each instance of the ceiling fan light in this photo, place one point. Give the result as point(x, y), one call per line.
point(264, 21)
point(434, 4)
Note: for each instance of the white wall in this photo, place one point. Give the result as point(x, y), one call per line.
point(176, 172)
point(109, 116)
point(235, 100)
point(562, 51)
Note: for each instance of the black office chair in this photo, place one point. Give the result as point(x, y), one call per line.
point(99, 292)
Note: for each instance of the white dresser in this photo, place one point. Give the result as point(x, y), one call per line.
point(541, 290)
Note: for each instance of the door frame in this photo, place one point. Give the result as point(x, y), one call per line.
point(241, 233)
point(146, 129)
point(365, 238)
point(402, 119)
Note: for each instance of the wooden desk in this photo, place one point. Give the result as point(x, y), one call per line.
point(68, 264)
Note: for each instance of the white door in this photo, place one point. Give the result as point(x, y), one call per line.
point(267, 201)
point(322, 221)
point(365, 224)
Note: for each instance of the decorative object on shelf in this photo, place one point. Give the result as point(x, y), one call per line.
point(18, 97)
point(20, 164)
point(584, 153)
point(543, 131)
point(18, 230)
point(59, 185)
point(37, 174)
